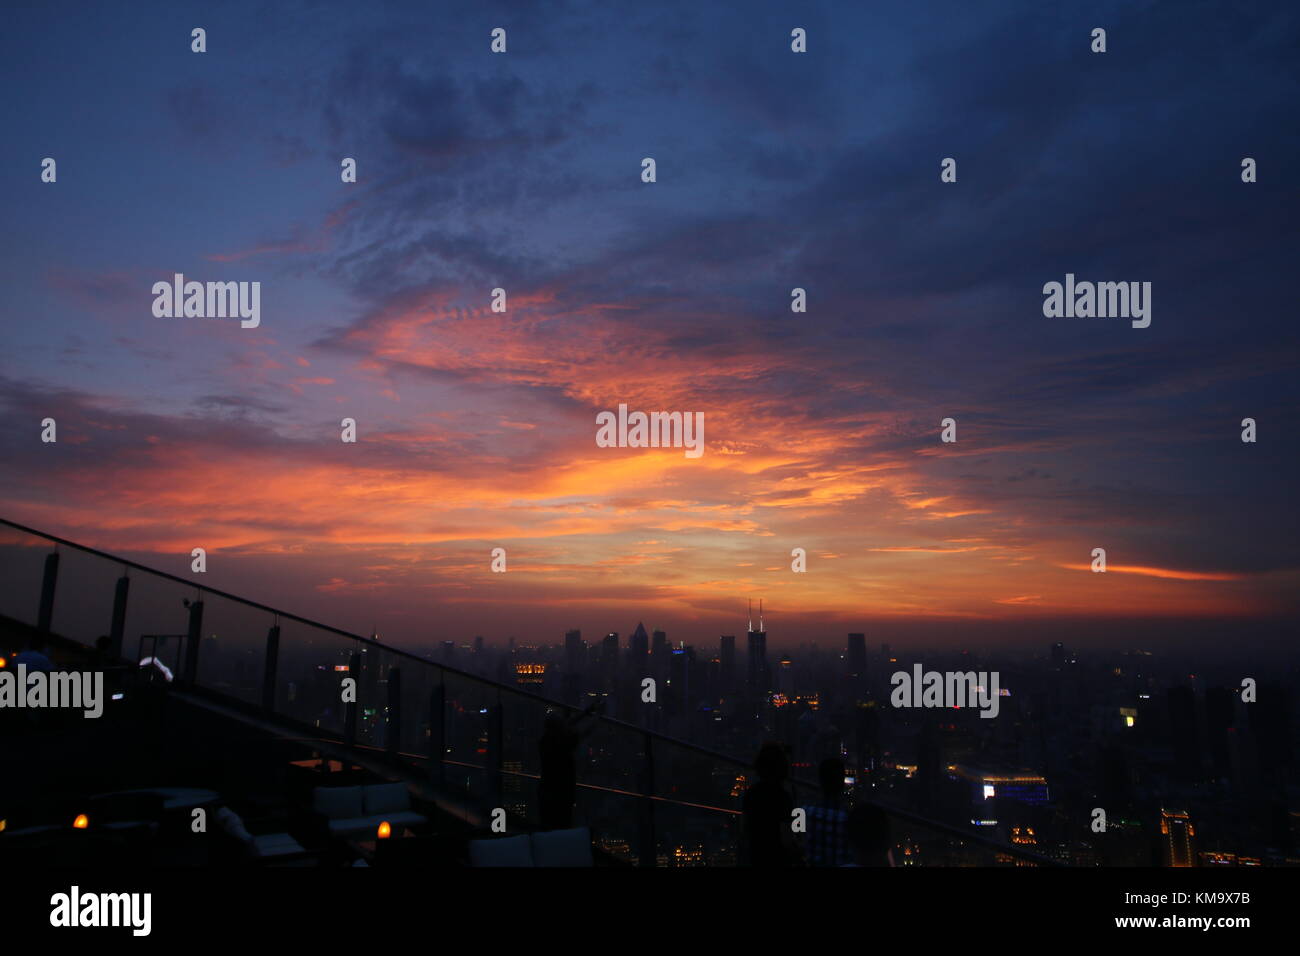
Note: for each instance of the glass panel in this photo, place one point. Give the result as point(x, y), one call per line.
point(468, 720)
point(614, 819)
point(232, 648)
point(155, 607)
point(418, 683)
point(83, 596)
point(22, 566)
point(312, 663)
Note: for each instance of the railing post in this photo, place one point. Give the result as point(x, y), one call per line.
point(393, 728)
point(118, 628)
point(192, 643)
point(350, 711)
point(648, 848)
point(45, 615)
point(269, 671)
point(437, 733)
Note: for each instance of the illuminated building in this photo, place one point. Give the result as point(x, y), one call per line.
point(512, 791)
point(692, 855)
point(738, 788)
point(1179, 838)
point(1024, 836)
point(529, 673)
point(1024, 786)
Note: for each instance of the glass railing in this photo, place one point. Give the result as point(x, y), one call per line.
point(648, 799)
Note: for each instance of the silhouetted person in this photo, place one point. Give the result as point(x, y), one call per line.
point(826, 841)
point(34, 656)
point(868, 834)
point(102, 656)
point(769, 811)
point(558, 787)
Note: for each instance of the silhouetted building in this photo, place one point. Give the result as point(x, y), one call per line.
point(857, 662)
point(639, 648)
point(1183, 733)
point(575, 652)
point(1220, 708)
point(727, 663)
point(757, 676)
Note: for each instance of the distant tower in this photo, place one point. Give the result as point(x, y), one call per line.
point(575, 660)
point(857, 662)
point(757, 675)
point(639, 646)
point(727, 663)
point(659, 653)
point(574, 651)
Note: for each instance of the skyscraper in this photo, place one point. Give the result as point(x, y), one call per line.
point(1178, 838)
point(639, 647)
point(857, 660)
point(575, 666)
point(659, 653)
point(574, 651)
point(727, 664)
point(757, 675)
point(609, 654)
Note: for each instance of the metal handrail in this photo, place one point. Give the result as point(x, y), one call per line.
point(907, 815)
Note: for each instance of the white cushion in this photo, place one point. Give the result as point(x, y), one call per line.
point(507, 851)
point(275, 844)
point(232, 825)
point(386, 798)
point(562, 847)
point(337, 802)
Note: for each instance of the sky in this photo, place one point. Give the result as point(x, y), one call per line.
point(775, 170)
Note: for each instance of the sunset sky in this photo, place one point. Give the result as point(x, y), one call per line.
point(477, 429)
